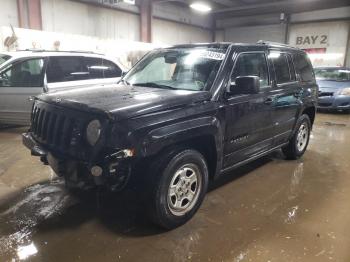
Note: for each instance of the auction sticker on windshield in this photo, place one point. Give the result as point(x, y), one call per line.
point(212, 55)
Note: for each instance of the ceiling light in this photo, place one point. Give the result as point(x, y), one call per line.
point(201, 7)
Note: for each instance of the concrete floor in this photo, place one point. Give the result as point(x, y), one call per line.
point(269, 210)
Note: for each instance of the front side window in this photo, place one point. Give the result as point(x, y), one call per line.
point(64, 69)
point(178, 68)
point(28, 73)
point(251, 64)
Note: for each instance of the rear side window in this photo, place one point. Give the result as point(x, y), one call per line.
point(251, 64)
point(28, 73)
point(291, 68)
point(303, 67)
point(102, 68)
point(64, 69)
point(280, 64)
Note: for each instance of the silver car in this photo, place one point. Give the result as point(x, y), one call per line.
point(24, 74)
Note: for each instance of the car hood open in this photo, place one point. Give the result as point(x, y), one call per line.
point(124, 101)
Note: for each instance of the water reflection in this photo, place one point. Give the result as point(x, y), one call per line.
point(23, 252)
point(19, 221)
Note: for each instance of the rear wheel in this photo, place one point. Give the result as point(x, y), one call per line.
point(179, 186)
point(298, 143)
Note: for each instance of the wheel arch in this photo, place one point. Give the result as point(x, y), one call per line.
point(311, 113)
point(202, 134)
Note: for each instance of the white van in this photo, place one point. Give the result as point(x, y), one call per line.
point(24, 74)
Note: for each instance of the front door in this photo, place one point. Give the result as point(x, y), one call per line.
point(248, 128)
point(18, 83)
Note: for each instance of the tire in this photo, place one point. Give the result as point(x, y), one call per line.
point(298, 145)
point(178, 176)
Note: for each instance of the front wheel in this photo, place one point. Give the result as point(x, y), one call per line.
point(298, 143)
point(179, 187)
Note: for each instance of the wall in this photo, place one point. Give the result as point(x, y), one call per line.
point(166, 32)
point(251, 34)
point(78, 18)
point(325, 41)
point(8, 13)
point(335, 23)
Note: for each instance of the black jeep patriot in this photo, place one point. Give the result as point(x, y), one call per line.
point(188, 113)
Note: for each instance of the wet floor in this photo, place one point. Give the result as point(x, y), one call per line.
point(269, 210)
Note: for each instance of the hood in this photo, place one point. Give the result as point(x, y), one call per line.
point(120, 101)
point(332, 85)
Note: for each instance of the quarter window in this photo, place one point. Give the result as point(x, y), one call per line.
point(101, 68)
point(251, 64)
point(303, 67)
point(28, 73)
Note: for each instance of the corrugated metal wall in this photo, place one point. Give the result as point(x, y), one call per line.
point(252, 34)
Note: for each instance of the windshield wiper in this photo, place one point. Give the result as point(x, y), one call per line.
point(152, 84)
point(124, 82)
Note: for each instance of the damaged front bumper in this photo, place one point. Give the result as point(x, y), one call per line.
point(112, 172)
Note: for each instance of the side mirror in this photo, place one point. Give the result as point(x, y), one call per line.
point(245, 85)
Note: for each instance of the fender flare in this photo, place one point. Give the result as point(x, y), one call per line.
point(159, 138)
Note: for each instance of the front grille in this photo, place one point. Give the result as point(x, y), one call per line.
point(325, 94)
point(58, 128)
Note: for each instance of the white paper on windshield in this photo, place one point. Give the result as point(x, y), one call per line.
point(212, 55)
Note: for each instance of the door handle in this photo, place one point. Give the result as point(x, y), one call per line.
point(268, 101)
point(31, 98)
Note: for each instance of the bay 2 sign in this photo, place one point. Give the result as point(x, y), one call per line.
point(311, 41)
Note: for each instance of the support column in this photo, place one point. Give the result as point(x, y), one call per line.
point(146, 21)
point(29, 14)
point(34, 11)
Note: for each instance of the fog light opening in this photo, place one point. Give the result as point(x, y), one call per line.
point(96, 171)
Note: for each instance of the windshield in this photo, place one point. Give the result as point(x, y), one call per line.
point(332, 74)
point(180, 68)
point(4, 58)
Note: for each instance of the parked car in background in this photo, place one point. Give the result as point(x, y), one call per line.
point(24, 74)
point(334, 88)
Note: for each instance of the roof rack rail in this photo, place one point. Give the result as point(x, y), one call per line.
point(58, 51)
point(264, 42)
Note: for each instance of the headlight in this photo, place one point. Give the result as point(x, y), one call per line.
point(93, 132)
point(345, 91)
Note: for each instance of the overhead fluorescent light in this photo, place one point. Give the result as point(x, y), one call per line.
point(201, 7)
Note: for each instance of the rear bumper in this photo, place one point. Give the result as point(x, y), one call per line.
point(115, 171)
point(334, 102)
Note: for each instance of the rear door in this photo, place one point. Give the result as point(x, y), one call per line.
point(248, 123)
point(286, 93)
point(19, 81)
